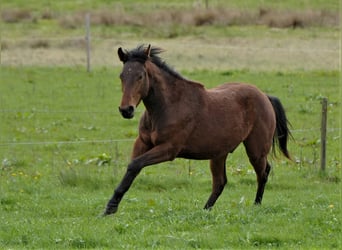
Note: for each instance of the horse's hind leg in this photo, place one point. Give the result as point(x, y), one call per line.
point(261, 167)
point(219, 179)
point(262, 180)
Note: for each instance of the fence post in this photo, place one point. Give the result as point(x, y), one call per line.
point(324, 133)
point(87, 38)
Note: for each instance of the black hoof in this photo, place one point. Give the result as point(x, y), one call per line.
point(110, 210)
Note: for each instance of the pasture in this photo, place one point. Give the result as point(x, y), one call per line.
point(64, 146)
point(54, 188)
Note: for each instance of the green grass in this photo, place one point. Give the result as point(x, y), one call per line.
point(53, 189)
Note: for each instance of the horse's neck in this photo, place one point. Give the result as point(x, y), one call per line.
point(167, 89)
point(161, 92)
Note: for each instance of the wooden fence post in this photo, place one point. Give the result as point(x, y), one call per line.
point(87, 20)
point(324, 132)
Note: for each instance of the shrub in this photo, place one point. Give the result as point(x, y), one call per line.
point(37, 44)
point(16, 15)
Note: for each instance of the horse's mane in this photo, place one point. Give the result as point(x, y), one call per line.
point(139, 54)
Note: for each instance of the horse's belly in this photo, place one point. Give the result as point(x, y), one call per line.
point(209, 149)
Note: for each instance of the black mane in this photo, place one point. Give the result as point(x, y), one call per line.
point(138, 54)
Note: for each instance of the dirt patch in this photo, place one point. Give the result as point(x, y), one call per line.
point(191, 53)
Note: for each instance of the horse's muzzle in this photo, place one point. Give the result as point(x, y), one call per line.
point(127, 112)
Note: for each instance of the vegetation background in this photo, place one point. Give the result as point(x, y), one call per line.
point(64, 147)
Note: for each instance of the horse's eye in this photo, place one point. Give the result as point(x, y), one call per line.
point(140, 77)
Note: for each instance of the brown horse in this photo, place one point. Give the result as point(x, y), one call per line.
point(184, 119)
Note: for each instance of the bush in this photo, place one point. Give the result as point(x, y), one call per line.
point(16, 15)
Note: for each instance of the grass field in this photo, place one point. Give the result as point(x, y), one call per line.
point(64, 146)
point(54, 188)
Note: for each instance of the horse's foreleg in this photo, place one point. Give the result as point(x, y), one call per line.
point(219, 179)
point(160, 153)
point(132, 171)
point(139, 148)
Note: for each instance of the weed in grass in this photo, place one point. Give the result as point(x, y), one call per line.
point(10, 164)
point(85, 177)
point(305, 109)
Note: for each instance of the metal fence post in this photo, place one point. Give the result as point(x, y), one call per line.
point(324, 132)
point(87, 38)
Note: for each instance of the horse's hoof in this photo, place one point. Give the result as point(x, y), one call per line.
point(110, 210)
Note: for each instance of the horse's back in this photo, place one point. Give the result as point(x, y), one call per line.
point(242, 96)
point(239, 96)
point(236, 90)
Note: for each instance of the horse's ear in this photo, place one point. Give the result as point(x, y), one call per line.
point(148, 51)
point(122, 55)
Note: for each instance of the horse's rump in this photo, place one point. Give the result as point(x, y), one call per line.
point(229, 113)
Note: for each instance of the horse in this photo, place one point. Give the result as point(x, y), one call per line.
point(183, 119)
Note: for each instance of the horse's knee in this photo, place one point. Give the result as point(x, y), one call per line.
point(267, 171)
point(268, 168)
point(218, 188)
point(225, 181)
point(259, 164)
point(134, 168)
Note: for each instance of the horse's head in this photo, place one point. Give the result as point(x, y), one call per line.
point(134, 81)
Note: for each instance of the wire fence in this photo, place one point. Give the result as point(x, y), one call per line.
point(111, 141)
point(94, 50)
point(314, 129)
point(91, 51)
point(199, 55)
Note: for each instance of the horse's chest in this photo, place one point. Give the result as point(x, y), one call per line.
point(154, 137)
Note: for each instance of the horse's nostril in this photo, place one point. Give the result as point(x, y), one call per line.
point(130, 109)
point(127, 112)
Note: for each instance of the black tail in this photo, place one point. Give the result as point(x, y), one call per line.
point(282, 132)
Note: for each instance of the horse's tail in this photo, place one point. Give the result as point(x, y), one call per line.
point(282, 132)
